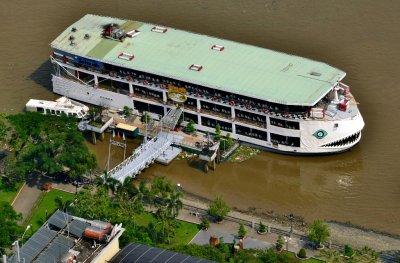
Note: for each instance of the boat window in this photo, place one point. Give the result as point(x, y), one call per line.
point(39, 109)
point(285, 124)
point(285, 140)
point(53, 112)
point(58, 112)
point(48, 111)
point(74, 114)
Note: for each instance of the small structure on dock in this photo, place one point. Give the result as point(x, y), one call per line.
point(96, 126)
point(209, 155)
point(129, 130)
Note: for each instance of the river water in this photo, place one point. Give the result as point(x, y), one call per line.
point(360, 37)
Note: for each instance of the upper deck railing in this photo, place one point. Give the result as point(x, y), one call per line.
point(245, 104)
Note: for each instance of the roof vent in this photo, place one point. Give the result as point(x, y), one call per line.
point(314, 73)
point(125, 56)
point(133, 33)
point(74, 29)
point(217, 47)
point(87, 36)
point(196, 67)
point(159, 29)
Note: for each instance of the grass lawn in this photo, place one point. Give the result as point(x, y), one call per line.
point(39, 216)
point(184, 232)
point(8, 195)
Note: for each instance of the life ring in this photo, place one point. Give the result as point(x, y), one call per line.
point(129, 78)
point(145, 82)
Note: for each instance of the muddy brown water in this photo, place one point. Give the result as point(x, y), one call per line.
point(360, 37)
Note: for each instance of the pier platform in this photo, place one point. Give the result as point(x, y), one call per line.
point(169, 155)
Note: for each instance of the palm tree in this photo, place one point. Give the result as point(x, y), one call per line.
point(62, 204)
point(166, 223)
point(174, 204)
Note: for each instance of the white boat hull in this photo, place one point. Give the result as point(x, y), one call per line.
point(333, 142)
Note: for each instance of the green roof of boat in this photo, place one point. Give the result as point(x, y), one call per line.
point(238, 68)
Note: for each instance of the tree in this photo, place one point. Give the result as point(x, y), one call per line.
point(9, 230)
point(94, 205)
point(47, 144)
point(146, 118)
point(242, 231)
point(229, 140)
point(62, 204)
point(218, 132)
point(165, 196)
point(218, 209)
point(167, 225)
point(127, 111)
point(190, 127)
point(318, 232)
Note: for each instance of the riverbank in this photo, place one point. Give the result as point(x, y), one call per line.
point(341, 233)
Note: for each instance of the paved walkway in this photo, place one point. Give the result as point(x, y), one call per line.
point(203, 238)
point(228, 230)
point(30, 192)
point(26, 199)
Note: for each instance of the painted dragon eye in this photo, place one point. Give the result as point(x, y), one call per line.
point(320, 134)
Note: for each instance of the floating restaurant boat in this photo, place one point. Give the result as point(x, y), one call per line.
point(59, 107)
point(271, 99)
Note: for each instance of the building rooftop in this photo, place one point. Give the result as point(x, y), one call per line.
point(60, 238)
point(209, 61)
point(143, 254)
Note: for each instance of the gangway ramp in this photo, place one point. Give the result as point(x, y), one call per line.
point(170, 119)
point(142, 157)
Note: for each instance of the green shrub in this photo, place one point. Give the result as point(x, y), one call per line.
point(242, 232)
point(262, 228)
point(205, 223)
point(348, 250)
point(302, 253)
point(279, 243)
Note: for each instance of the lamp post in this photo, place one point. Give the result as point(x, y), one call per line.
point(16, 243)
point(26, 229)
point(287, 243)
